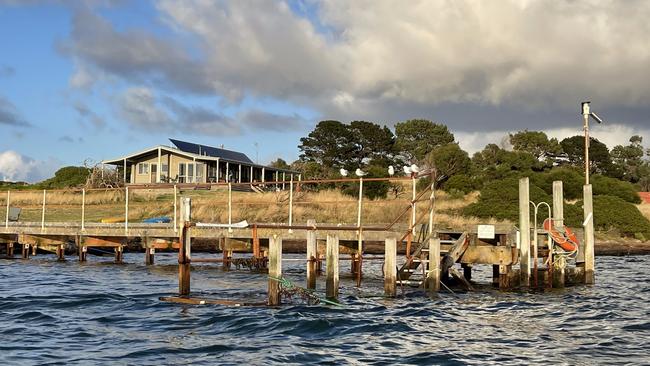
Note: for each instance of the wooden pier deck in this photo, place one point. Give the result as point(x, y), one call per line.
point(429, 261)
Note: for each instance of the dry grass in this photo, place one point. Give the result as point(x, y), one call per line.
point(327, 206)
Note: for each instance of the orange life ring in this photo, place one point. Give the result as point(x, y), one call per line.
point(567, 240)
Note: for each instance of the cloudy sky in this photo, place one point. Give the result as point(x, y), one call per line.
point(97, 79)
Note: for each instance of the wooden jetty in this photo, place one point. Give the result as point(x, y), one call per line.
point(523, 257)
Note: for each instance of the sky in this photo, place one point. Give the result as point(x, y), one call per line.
point(83, 80)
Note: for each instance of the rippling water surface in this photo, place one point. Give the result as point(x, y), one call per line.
point(101, 313)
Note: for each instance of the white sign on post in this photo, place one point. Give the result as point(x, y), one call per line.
point(485, 231)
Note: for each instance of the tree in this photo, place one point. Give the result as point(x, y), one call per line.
point(280, 164)
point(448, 160)
point(574, 151)
point(372, 143)
point(418, 137)
point(67, 177)
point(629, 159)
point(537, 144)
point(329, 144)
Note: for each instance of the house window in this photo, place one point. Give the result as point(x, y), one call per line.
point(182, 172)
point(199, 172)
point(190, 173)
point(143, 168)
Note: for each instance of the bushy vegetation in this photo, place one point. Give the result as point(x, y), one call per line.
point(613, 187)
point(67, 177)
point(614, 213)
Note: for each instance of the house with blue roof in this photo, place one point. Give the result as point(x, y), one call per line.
point(187, 162)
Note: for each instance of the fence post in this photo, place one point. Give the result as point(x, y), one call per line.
point(43, 213)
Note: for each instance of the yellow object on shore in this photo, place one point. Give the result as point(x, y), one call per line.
point(112, 220)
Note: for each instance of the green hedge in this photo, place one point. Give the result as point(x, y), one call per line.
point(613, 187)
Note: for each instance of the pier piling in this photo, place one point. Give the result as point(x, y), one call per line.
point(524, 228)
point(390, 267)
point(275, 269)
point(184, 251)
point(433, 275)
point(25, 251)
point(589, 234)
point(312, 256)
point(332, 267)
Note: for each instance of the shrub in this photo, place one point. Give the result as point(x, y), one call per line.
point(572, 182)
point(613, 187)
point(500, 199)
point(461, 182)
point(612, 212)
point(67, 177)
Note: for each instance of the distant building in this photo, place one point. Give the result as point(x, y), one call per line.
point(194, 163)
point(645, 196)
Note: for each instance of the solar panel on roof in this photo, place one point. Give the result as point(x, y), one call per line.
point(211, 151)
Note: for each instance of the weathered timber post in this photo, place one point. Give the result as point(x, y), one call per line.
point(504, 276)
point(175, 214)
point(60, 253)
point(185, 249)
point(332, 267)
point(10, 249)
point(524, 228)
point(589, 234)
point(275, 269)
point(433, 275)
point(558, 204)
point(312, 255)
point(467, 271)
point(148, 250)
point(229, 207)
point(390, 267)
point(256, 243)
point(290, 203)
point(149, 255)
point(25, 251)
point(34, 249)
point(82, 250)
point(119, 250)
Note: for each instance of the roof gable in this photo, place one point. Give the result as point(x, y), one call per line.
point(211, 151)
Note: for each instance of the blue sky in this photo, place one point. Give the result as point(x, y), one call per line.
point(97, 79)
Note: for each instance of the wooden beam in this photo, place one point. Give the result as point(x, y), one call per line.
point(589, 234)
point(455, 252)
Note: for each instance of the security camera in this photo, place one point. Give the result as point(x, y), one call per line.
point(595, 117)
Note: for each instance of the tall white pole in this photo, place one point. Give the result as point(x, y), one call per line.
point(159, 168)
point(413, 206)
point(175, 203)
point(291, 204)
point(126, 210)
point(229, 207)
point(43, 213)
point(7, 216)
point(83, 209)
point(585, 116)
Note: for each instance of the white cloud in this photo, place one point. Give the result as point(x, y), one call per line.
point(16, 167)
point(385, 61)
point(609, 134)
